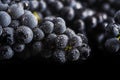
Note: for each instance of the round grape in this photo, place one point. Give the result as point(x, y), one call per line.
point(61, 41)
point(24, 34)
point(5, 19)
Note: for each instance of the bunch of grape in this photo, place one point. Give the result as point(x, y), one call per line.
point(112, 43)
point(24, 33)
point(62, 43)
point(16, 26)
point(58, 29)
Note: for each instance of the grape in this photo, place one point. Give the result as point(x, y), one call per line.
point(83, 37)
point(112, 29)
point(24, 34)
point(34, 5)
point(18, 47)
point(117, 17)
point(61, 41)
point(7, 36)
point(42, 5)
point(73, 55)
point(16, 11)
point(38, 34)
point(57, 5)
point(5, 19)
point(70, 33)
point(3, 6)
point(15, 24)
point(47, 27)
point(50, 40)
point(68, 13)
point(49, 18)
point(112, 45)
point(75, 41)
point(28, 19)
point(59, 56)
point(79, 26)
point(59, 28)
point(91, 22)
point(59, 19)
point(84, 51)
point(6, 52)
point(6, 1)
